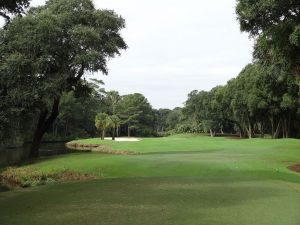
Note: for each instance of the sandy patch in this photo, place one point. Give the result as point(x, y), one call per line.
point(295, 168)
point(124, 139)
point(98, 148)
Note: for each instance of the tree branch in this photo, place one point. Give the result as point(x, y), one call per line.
point(4, 16)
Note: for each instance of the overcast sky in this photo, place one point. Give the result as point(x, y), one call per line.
point(175, 46)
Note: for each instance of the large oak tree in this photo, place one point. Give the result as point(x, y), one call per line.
point(48, 51)
point(275, 25)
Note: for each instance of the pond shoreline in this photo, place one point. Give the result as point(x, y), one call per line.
point(75, 145)
point(16, 156)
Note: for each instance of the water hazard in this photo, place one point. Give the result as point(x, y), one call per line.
point(11, 156)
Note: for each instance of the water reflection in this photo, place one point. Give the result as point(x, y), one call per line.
point(11, 156)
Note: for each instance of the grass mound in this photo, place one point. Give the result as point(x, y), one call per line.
point(100, 148)
point(12, 177)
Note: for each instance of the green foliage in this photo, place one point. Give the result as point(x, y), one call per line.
point(136, 114)
point(161, 116)
point(78, 113)
point(275, 25)
point(174, 117)
point(8, 7)
point(262, 100)
point(265, 96)
point(112, 98)
point(114, 121)
point(102, 122)
point(78, 110)
point(47, 52)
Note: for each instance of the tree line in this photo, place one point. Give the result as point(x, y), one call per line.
point(258, 102)
point(265, 97)
point(102, 113)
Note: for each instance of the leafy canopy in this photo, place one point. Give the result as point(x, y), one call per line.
point(8, 7)
point(47, 52)
point(276, 25)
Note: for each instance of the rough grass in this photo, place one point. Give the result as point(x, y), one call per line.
point(11, 177)
point(100, 148)
point(183, 179)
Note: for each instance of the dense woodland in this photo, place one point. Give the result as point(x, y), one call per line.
point(47, 52)
point(130, 115)
point(265, 97)
point(256, 103)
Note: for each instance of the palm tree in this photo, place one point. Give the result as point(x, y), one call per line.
point(102, 123)
point(113, 98)
point(115, 122)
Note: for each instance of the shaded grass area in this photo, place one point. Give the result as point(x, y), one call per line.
point(166, 201)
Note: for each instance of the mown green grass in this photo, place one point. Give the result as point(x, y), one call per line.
point(183, 179)
point(185, 155)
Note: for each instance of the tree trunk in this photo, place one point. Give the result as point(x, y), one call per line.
point(283, 129)
point(212, 133)
point(38, 135)
point(113, 134)
point(276, 134)
point(286, 127)
point(249, 130)
point(275, 128)
point(66, 129)
point(128, 131)
point(103, 134)
point(272, 126)
point(261, 128)
point(43, 125)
